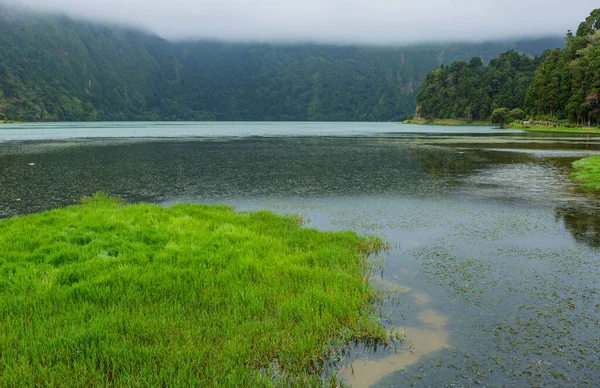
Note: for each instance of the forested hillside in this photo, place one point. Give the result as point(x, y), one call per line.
point(567, 84)
point(473, 91)
point(561, 85)
point(53, 68)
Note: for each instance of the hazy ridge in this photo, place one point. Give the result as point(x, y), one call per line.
point(54, 68)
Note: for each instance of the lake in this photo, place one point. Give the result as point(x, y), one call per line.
point(493, 263)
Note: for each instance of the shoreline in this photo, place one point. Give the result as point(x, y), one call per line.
point(551, 128)
point(513, 125)
point(448, 122)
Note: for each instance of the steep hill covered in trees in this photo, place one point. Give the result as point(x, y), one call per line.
point(560, 85)
point(54, 68)
point(566, 85)
point(472, 91)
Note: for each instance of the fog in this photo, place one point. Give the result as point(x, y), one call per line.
point(331, 21)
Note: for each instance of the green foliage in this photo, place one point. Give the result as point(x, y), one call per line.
point(517, 114)
point(501, 116)
point(57, 69)
point(587, 172)
point(105, 293)
point(560, 85)
point(566, 84)
point(472, 91)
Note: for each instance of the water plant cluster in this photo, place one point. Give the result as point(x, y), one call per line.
point(107, 293)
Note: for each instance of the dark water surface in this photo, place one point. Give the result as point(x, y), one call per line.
point(494, 257)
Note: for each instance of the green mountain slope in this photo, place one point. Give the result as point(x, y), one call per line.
point(567, 84)
point(561, 85)
point(53, 68)
point(473, 91)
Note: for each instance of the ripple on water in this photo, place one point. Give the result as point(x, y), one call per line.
point(531, 182)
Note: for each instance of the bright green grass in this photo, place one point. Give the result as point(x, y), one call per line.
point(587, 172)
point(140, 295)
point(542, 128)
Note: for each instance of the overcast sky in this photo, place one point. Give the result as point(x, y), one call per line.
point(341, 21)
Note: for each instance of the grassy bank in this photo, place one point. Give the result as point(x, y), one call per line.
point(552, 128)
point(587, 172)
point(450, 122)
point(104, 293)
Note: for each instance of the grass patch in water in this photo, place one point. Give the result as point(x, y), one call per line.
point(587, 172)
point(105, 293)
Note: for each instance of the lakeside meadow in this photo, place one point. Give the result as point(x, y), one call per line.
point(191, 295)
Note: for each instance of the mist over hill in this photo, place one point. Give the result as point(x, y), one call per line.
point(56, 68)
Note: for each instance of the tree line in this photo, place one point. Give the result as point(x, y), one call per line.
point(561, 85)
point(55, 69)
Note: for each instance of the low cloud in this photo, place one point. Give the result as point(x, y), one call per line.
point(331, 21)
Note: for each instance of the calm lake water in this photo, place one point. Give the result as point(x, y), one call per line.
point(494, 262)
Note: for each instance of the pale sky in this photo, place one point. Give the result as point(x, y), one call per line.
point(332, 21)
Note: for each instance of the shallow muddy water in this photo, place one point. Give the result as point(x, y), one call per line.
point(493, 251)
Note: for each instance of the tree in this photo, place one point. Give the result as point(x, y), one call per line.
point(592, 101)
point(517, 114)
point(501, 116)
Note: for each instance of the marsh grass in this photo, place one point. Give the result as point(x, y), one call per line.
point(105, 293)
point(587, 172)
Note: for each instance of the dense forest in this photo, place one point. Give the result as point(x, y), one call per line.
point(473, 91)
point(53, 68)
point(562, 85)
point(566, 85)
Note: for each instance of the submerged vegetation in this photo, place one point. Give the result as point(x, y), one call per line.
point(107, 293)
point(587, 172)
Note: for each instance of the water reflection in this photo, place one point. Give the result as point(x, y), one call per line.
point(583, 223)
point(428, 337)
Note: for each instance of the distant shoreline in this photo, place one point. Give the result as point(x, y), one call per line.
point(552, 128)
point(533, 127)
point(448, 122)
